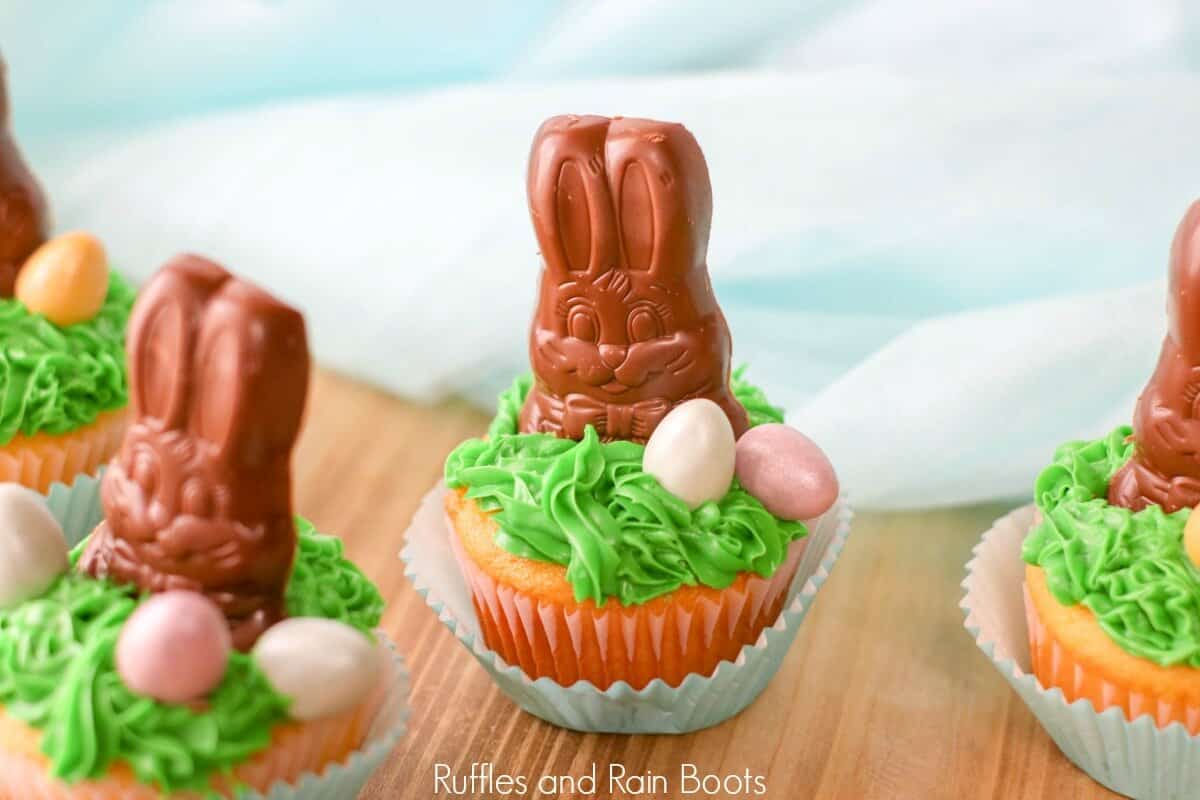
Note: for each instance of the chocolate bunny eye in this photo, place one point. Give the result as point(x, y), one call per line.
point(582, 323)
point(643, 325)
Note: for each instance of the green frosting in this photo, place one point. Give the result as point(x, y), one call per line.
point(325, 583)
point(56, 379)
point(57, 675)
point(588, 506)
point(1128, 567)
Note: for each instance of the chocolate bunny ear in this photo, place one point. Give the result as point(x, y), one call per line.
point(1183, 294)
point(663, 195)
point(251, 374)
point(3, 93)
point(161, 332)
point(24, 215)
point(569, 197)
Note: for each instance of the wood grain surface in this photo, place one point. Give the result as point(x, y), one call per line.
point(883, 695)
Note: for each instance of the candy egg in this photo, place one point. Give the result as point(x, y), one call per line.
point(33, 550)
point(1191, 536)
point(65, 280)
point(691, 452)
point(324, 666)
point(786, 471)
point(174, 648)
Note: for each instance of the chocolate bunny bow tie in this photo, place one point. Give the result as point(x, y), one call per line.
point(614, 421)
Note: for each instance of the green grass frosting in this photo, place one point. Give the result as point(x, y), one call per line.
point(56, 380)
point(1129, 568)
point(588, 505)
point(57, 674)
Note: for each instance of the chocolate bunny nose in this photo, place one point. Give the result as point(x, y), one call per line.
point(613, 355)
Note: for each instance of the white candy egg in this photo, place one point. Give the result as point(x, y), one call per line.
point(324, 666)
point(33, 550)
point(692, 452)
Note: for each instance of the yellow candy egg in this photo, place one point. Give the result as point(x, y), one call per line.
point(65, 279)
point(1191, 536)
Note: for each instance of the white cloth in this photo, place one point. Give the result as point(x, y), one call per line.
point(942, 269)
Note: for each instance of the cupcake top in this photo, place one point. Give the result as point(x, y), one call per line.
point(167, 640)
point(591, 506)
point(1115, 510)
point(56, 379)
point(1130, 568)
point(62, 337)
point(616, 458)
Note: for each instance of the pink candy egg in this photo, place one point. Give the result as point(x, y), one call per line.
point(786, 471)
point(174, 647)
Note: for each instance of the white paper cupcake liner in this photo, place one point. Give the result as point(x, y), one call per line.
point(77, 507)
point(1137, 759)
point(699, 702)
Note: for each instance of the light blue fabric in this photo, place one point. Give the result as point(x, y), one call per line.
point(113, 64)
point(940, 228)
point(94, 63)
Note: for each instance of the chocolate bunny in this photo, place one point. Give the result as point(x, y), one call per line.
point(199, 496)
point(24, 219)
point(1165, 468)
point(627, 325)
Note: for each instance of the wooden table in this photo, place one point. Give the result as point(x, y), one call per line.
point(884, 695)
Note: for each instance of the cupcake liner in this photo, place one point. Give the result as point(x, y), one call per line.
point(77, 507)
point(385, 722)
point(1135, 758)
point(635, 643)
point(698, 702)
point(1055, 664)
point(41, 460)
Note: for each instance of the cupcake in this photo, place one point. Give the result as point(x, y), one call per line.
point(1112, 587)
point(635, 513)
point(62, 337)
point(202, 641)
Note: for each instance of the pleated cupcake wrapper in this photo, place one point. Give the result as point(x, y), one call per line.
point(1135, 758)
point(546, 640)
point(43, 461)
point(1048, 657)
point(700, 701)
point(384, 723)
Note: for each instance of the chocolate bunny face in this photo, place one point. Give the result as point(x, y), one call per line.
point(199, 496)
point(24, 220)
point(1165, 468)
point(627, 325)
